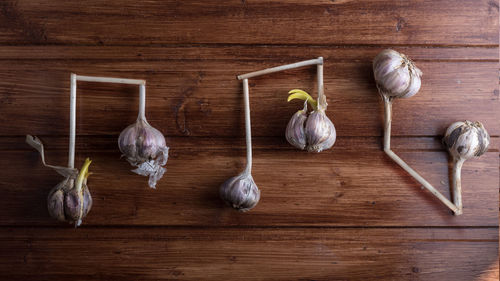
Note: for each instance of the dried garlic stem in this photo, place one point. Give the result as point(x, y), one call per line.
point(400, 162)
point(321, 87)
point(318, 61)
point(387, 121)
point(142, 102)
point(72, 122)
point(248, 130)
point(72, 114)
point(110, 80)
point(457, 184)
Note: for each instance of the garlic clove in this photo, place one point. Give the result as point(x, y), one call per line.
point(320, 132)
point(127, 140)
point(55, 201)
point(87, 201)
point(152, 141)
point(466, 139)
point(77, 202)
point(145, 148)
point(240, 192)
point(413, 88)
point(73, 205)
point(295, 133)
point(396, 75)
point(386, 62)
point(77, 205)
point(396, 81)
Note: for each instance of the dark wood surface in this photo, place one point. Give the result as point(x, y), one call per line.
point(349, 213)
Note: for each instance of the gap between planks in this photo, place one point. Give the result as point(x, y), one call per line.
point(254, 227)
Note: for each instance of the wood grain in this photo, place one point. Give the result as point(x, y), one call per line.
point(249, 254)
point(345, 186)
point(349, 213)
point(250, 22)
point(264, 53)
point(203, 98)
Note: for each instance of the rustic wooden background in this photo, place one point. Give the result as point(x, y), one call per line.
point(348, 213)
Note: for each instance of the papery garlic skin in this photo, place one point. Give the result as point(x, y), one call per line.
point(320, 132)
point(396, 75)
point(240, 192)
point(466, 139)
point(145, 148)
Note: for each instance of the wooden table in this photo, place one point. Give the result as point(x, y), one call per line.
point(348, 213)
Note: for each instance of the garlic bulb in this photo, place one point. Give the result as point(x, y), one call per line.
point(71, 201)
point(240, 192)
point(145, 148)
point(466, 139)
point(396, 75)
point(314, 132)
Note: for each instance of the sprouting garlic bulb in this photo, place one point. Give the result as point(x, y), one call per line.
point(240, 192)
point(467, 139)
point(396, 75)
point(314, 132)
point(145, 148)
point(70, 200)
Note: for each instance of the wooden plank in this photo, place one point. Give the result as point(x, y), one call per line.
point(250, 22)
point(109, 143)
point(204, 98)
point(244, 254)
point(346, 214)
point(269, 53)
point(348, 186)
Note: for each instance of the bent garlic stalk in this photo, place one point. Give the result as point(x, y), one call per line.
point(241, 192)
point(397, 76)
